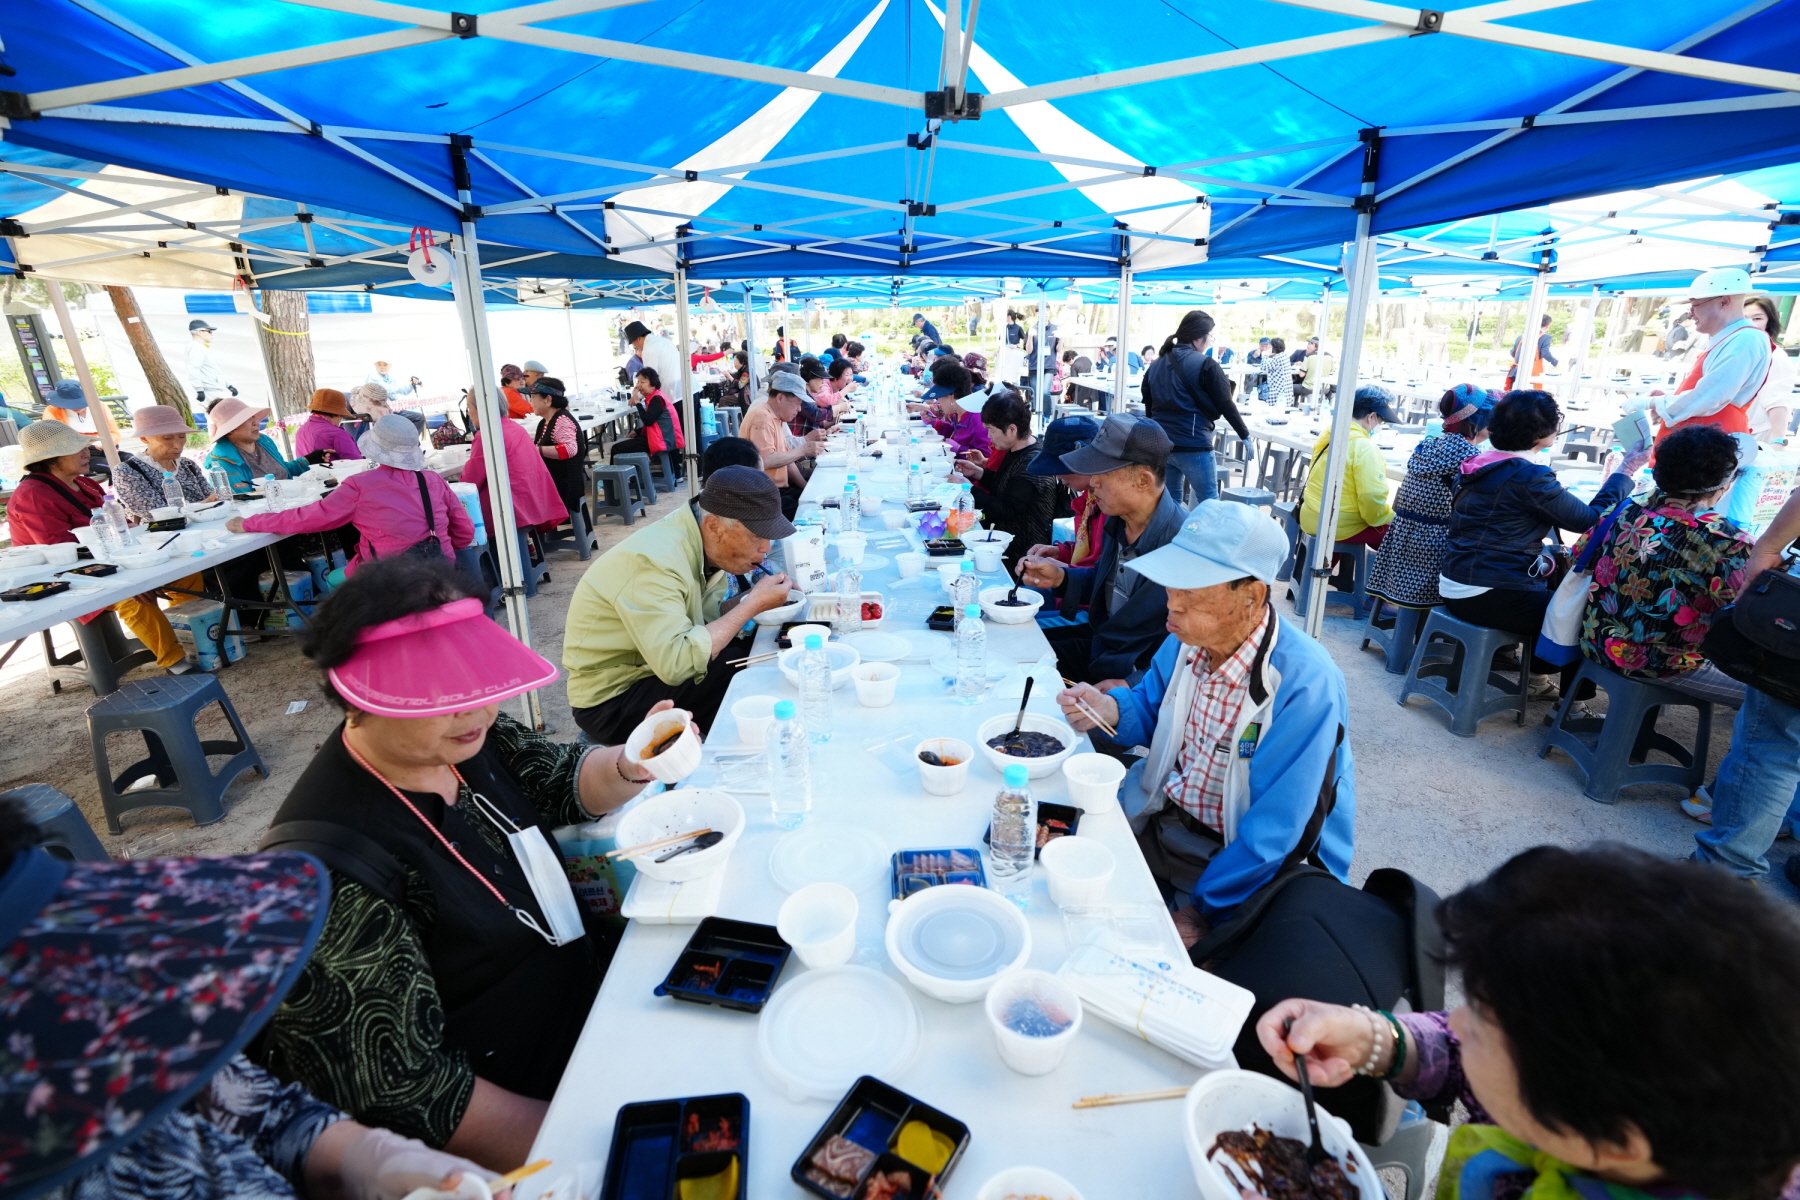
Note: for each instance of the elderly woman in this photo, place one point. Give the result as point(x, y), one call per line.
point(1628, 1033)
point(561, 440)
point(177, 1119)
point(1406, 571)
point(661, 420)
point(960, 426)
point(534, 497)
point(398, 506)
point(68, 404)
point(1014, 499)
point(323, 439)
point(240, 448)
point(371, 402)
point(54, 499)
point(138, 483)
point(452, 978)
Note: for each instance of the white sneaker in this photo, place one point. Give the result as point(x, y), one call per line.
point(1543, 687)
point(1699, 805)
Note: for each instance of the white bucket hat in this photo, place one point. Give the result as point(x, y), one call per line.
point(1720, 281)
point(393, 442)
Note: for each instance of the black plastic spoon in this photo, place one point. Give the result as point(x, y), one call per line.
point(1315, 1153)
point(1023, 701)
point(700, 843)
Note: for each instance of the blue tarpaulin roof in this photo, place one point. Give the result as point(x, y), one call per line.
point(779, 146)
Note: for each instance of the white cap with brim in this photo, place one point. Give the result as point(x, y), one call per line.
point(1720, 281)
point(1217, 543)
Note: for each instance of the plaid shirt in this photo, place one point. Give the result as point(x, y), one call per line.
point(1198, 781)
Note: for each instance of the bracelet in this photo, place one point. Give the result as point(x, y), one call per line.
point(1394, 1068)
point(619, 766)
point(1375, 1031)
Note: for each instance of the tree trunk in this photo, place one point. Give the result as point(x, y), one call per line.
point(164, 384)
point(287, 345)
point(1505, 315)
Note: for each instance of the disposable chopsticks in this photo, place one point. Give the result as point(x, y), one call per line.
point(645, 847)
point(1112, 1098)
point(752, 660)
point(1093, 716)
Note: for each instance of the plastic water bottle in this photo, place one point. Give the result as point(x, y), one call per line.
point(122, 532)
point(962, 517)
point(790, 772)
point(220, 482)
point(1012, 836)
point(849, 609)
point(851, 507)
point(815, 689)
point(172, 493)
point(964, 592)
point(915, 453)
point(109, 539)
point(915, 483)
point(971, 656)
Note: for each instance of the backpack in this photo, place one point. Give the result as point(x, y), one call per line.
point(1756, 641)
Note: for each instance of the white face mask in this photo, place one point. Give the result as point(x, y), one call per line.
point(544, 872)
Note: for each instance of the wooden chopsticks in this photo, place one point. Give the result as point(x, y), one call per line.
point(1093, 716)
point(1112, 1098)
point(646, 847)
point(753, 659)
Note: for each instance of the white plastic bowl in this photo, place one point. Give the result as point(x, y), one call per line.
point(773, 617)
point(997, 538)
point(137, 560)
point(1232, 1100)
point(944, 781)
point(1077, 872)
point(684, 810)
point(1024, 1053)
point(941, 937)
point(1036, 767)
point(1026, 611)
point(679, 760)
point(843, 660)
point(1016, 1182)
point(22, 556)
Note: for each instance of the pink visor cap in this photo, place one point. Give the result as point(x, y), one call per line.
point(431, 664)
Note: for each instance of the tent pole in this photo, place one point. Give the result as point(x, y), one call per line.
point(1122, 362)
point(750, 341)
point(79, 357)
point(471, 308)
point(569, 324)
point(688, 407)
point(1361, 275)
point(1037, 380)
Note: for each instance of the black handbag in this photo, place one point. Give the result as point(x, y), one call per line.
point(1756, 641)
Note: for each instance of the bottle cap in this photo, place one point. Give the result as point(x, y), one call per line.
point(784, 710)
point(814, 642)
point(1016, 774)
point(973, 610)
point(968, 568)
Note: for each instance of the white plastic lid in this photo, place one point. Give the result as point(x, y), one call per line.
point(828, 1027)
point(829, 852)
point(961, 935)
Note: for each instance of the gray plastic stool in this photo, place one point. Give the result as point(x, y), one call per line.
point(1272, 470)
point(578, 535)
point(1358, 596)
point(163, 710)
point(62, 829)
point(104, 652)
point(477, 562)
point(641, 461)
point(1449, 651)
point(663, 470)
point(1289, 516)
point(1397, 634)
point(619, 490)
point(1254, 496)
point(1611, 752)
point(727, 421)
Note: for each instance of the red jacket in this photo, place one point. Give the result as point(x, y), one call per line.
point(44, 509)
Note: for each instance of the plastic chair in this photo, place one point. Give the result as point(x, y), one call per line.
point(1272, 469)
point(1254, 496)
point(618, 490)
point(62, 829)
point(1611, 752)
point(103, 654)
point(641, 461)
point(1358, 597)
point(578, 535)
point(477, 562)
point(163, 710)
point(1396, 634)
point(1289, 516)
point(664, 470)
point(727, 419)
point(1453, 651)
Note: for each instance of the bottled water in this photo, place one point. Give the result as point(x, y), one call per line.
point(962, 517)
point(849, 613)
point(172, 493)
point(109, 538)
point(815, 689)
point(915, 453)
point(1012, 836)
point(851, 508)
point(790, 774)
point(964, 592)
point(850, 485)
point(220, 482)
point(122, 532)
point(971, 656)
point(271, 490)
point(915, 483)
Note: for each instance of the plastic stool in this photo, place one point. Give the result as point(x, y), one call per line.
point(1272, 470)
point(663, 470)
point(1397, 635)
point(1612, 751)
point(540, 570)
point(727, 419)
point(62, 829)
point(1254, 496)
point(1289, 516)
point(103, 653)
point(477, 562)
point(646, 481)
point(163, 710)
point(579, 536)
point(1450, 649)
point(619, 491)
point(1407, 1151)
point(1358, 597)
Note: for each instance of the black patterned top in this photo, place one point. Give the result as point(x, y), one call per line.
point(364, 1026)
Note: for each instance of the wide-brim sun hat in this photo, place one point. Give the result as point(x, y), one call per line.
point(68, 394)
point(228, 414)
point(445, 660)
point(331, 402)
point(157, 420)
point(50, 439)
point(1720, 281)
point(127, 985)
point(393, 442)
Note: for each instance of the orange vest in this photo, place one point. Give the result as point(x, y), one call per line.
point(1733, 418)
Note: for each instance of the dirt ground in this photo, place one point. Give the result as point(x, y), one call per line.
point(1446, 809)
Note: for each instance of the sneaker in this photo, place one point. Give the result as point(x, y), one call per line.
point(184, 667)
point(1543, 687)
point(1699, 805)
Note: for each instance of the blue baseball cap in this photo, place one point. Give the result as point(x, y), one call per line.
point(1217, 543)
point(1060, 437)
point(935, 392)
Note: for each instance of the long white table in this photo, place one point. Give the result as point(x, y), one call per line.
point(637, 1046)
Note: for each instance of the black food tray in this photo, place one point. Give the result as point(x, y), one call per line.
point(1054, 821)
point(656, 1144)
point(35, 591)
point(731, 964)
point(861, 1141)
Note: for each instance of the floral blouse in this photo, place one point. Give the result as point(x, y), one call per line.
point(1659, 579)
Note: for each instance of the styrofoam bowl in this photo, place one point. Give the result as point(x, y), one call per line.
point(1077, 873)
point(1014, 1183)
point(944, 781)
point(1037, 768)
point(1025, 1054)
point(61, 554)
point(1231, 1100)
point(843, 661)
point(137, 560)
point(683, 810)
point(22, 556)
point(997, 538)
point(679, 760)
point(991, 608)
point(773, 617)
point(1094, 781)
point(968, 917)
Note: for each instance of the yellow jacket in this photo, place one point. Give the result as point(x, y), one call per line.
point(1365, 499)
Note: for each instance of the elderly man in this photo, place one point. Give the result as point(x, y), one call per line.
point(204, 376)
point(657, 352)
point(649, 621)
point(392, 386)
point(1728, 374)
point(924, 331)
point(531, 372)
point(1124, 465)
point(1245, 717)
point(766, 427)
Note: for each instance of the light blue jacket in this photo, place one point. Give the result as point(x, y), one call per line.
point(1294, 766)
point(225, 457)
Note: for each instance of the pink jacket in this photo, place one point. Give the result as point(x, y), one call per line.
point(383, 504)
point(534, 496)
point(316, 433)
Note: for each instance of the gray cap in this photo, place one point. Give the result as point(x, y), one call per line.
point(749, 495)
point(1123, 438)
point(1218, 542)
point(200, 323)
point(787, 381)
point(532, 364)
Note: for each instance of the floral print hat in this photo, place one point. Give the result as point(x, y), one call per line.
point(125, 985)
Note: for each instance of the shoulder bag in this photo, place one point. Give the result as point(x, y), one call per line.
point(1559, 642)
point(1756, 641)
